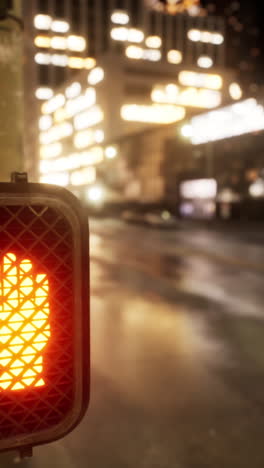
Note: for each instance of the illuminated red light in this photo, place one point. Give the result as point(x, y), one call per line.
point(24, 324)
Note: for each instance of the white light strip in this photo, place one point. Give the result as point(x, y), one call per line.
point(124, 34)
point(192, 97)
point(240, 118)
point(89, 118)
point(152, 114)
point(200, 80)
point(196, 35)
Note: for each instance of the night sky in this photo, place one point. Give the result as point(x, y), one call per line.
point(245, 36)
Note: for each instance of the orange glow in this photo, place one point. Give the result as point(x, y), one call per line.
point(24, 324)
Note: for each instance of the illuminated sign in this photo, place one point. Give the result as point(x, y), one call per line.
point(198, 189)
point(25, 328)
point(240, 118)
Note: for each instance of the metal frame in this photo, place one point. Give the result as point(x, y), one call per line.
point(24, 193)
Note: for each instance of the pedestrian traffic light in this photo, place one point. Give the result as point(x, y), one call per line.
point(44, 313)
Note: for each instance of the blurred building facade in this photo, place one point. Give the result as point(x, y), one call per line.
point(119, 76)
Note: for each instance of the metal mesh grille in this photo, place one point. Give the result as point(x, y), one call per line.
point(42, 235)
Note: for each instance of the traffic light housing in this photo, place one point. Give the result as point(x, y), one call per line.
point(44, 314)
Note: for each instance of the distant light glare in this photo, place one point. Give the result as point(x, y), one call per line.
point(42, 22)
point(154, 42)
point(51, 151)
point(137, 53)
point(135, 35)
point(110, 152)
point(134, 52)
point(42, 58)
point(76, 62)
point(186, 131)
point(205, 62)
point(45, 122)
point(89, 118)
point(152, 54)
point(127, 34)
point(235, 91)
point(256, 189)
point(42, 41)
point(58, 42)
point(96, 194)
point(92, 156)
point(60, 26)
point(174, 56)
point(61, 179)
point(217, 38)
point(80, 103)
point(43, 93)
point(84, 138)
point(119, 34)
point(159, 114)
point(120, 17)
point(89, 63)
point(56, 133)
point(73, 90)
point(200, 80)
point(95, 76)
point(76, 43)
point(84, 176)
point(99, 136)
point(193, 97)
point(59, 60)
point(53, 104)
point(196, 35)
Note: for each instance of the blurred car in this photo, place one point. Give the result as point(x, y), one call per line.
point(161, 219)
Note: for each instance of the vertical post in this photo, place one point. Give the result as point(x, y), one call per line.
point(11, 94)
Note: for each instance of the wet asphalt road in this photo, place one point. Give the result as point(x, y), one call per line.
point(177, 352)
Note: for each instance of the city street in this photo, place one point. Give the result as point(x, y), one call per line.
point(177, 332)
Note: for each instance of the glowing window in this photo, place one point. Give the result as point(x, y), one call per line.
point(60, 26)
point(25, 328)
point(174, 56)
point(205, 62)
point(120, 17)
point(76, 43)
point(154, 42)
point(42, 22)
point(42, 41)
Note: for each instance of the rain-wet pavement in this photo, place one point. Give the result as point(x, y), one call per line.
point(177, 353)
